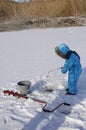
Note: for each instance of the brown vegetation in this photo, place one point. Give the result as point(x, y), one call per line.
point(41, 9)
point(41, 13)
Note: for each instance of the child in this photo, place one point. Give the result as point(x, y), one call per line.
point(72, 65)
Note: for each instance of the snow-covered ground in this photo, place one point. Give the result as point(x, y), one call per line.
point(29, 55)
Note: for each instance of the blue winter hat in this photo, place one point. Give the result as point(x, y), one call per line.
point(62, 50)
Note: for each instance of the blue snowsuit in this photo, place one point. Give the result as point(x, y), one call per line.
point(72, 65)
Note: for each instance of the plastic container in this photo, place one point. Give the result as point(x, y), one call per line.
point(24, 87)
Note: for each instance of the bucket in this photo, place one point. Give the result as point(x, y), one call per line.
point(24, 87)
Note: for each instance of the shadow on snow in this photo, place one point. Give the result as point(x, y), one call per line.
point(52, 121)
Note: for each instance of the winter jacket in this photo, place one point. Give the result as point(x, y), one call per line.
point(72, 66)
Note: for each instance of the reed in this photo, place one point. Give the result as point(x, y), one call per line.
point(39, 8)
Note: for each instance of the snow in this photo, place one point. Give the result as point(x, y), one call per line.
point(22, 0)
point(29, 55)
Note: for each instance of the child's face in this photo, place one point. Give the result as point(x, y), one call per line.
point(59, 53)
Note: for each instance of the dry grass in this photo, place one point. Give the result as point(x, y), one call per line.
point(36, 9)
